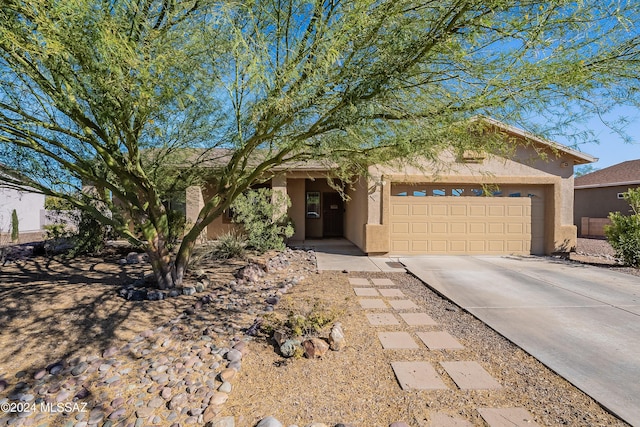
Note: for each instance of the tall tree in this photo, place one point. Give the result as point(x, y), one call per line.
point(134, 96)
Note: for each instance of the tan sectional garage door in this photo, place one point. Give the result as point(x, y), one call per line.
point(464, 225)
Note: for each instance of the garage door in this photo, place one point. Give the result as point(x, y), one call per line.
point(465, 225)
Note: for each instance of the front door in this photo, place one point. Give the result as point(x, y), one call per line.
point(333, 214)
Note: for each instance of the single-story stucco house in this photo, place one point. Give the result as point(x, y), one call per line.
point(477, 203)
point(599, 193)
point(28, 207)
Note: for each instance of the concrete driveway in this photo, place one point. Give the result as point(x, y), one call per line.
point(583, 322)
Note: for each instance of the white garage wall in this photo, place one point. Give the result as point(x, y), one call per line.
point(27, 206)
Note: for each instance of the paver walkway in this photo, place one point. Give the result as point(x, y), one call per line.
point(421, 375)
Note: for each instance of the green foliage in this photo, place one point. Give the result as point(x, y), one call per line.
point(584, 170)
point(230, 245)
point(15, 229)
point(263, 216)
point(624, 232)
point(135, 97)
point(305, 321)
point(53, 203)
point(56, 232)
point(90, 236)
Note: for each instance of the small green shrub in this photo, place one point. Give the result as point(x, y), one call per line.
point(624, 232)
point(230, 245)
point(305, 321)
point(15, 229)
point(263, 218)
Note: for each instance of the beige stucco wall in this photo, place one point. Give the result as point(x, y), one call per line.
point(295, 190)
point(598, 203)
point(356, 212)
point(526, 167)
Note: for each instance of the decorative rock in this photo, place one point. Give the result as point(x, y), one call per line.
point(399, 424)
point(315, 348)
point(218, 398)
point(336, 338)
point(117, 414)
point(223, 422)
point(156, 402)
point(55, 369)
point(166, 393)
point(155, 296)
point(280, 336)
point(3, 385)
point(233, 355)
point(289, 347)
point(199, 287)
point(251, 273)
point(144, 412)
point(174, 293)
point(225, 387)
point(178, 401)
point(317, 425)
point(188, 290)
point(110, 352)
point(227, 374)
point(83, 393)
point(40, 374)
point(269, 422)
point(79, 369)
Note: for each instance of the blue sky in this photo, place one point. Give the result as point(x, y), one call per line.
point(612, 149)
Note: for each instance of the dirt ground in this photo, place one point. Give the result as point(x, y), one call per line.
point(53, 309)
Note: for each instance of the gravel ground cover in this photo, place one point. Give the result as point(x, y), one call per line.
point(68, 312)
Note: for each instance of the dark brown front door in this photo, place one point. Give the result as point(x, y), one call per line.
point(333, 214)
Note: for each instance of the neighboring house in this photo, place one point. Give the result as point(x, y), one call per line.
point(477, 203)
point(28, 207)
point(599, 193)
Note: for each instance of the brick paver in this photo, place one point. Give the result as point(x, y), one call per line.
point(403, 304)
point(359, 281)
point(382, 319)
point(396, 340)
point(366, 292)
point(391, 292)
point(418, 319)
point(372, 303)
point(507, 417)
point(444, 420)
point(439, 340)
point(383, 282)
point(470, 376)
point(417, 376)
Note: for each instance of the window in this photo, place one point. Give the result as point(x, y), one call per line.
point(313, 204)
point(439, 192)
point(621, 196)
point(457, 192)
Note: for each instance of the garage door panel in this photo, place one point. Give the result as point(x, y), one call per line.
point(466, 225)
point(438, 228)
point(439, 209)
point(458, 210)
point(496, 228)
point(458, 246)
point(477, 228)
point(400, 228)
point(400, 209)
point(475, 210)
point(419, 227)
point(419, 210)
point(496, 210)
point(458, 228)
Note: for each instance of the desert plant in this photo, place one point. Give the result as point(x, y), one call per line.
point(624, 232)
point(230, 245)
point(15, 228)
point(263, 218)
